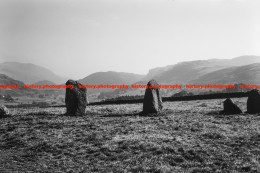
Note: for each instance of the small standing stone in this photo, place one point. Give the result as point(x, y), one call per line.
point(152, 98)
point(253, 102)
point(75, 99)
point(230, 107)
point(4, 112)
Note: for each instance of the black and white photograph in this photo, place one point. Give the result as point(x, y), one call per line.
point(129, 86)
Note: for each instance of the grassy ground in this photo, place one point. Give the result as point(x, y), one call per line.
point(186, 137)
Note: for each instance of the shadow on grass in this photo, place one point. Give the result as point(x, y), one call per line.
point(217, 112)
point(5, 116)
point(46, 113)
point(164, 112)
point(161, 113)
point(121, 115)
point(220, 114)
point(41, 113)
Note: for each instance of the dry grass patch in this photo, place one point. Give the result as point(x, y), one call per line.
point(185, 137)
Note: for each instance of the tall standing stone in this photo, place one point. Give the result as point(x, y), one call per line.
point(152, 98)
point(230, 107)
point(253, 102)
point(75, 99)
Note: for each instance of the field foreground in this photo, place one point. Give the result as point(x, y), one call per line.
point(186, 137)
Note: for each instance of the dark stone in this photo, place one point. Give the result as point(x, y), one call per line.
point(4, 112)
point(152, 98)
point(253, 102)
point(75, 99)
point(230, 107)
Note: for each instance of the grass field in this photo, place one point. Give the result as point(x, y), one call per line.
point(185, 137)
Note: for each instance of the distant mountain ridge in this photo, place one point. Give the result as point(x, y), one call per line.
point(44, 82)
point(6, 80)
point(243, 69)
point(111, 77)
point(29, 73)
point(247, 74)
point(191, 70)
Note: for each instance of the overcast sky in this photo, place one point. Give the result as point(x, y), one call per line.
point(75, 38)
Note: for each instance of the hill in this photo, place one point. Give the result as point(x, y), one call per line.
point(184, 137)
point(111, 78)
point(248, 74)
point(29, 73)
point(191, 70)
point(6, 80)
point(44, 82)
point(243, 69)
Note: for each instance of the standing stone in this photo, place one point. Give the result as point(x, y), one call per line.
point(230, 107)
point(253, 102)
point(152, 98)
point(75, 99)
point(4, 112)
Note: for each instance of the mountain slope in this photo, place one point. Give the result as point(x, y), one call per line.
point(248, 74)
point(29, 73)
point(111, 77)
point(6, 80)
point(186, 71)
point(44, 82)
